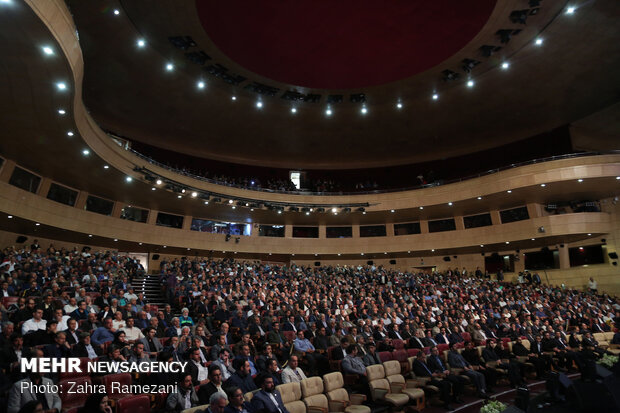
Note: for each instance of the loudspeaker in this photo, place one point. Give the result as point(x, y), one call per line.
point(21, 239)
point(155, 257)
point(603, 240)
point(392, 262)
point(613, 255)
point(446, 259)
point(317, 263)
point(369, 262)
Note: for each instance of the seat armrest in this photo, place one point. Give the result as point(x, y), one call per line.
point(379, 394)
point(397, 387)
point(337, 405)
point(491, 364)
point(456, 370)
point(316, 409)
point(357, 398)
point(412, 383)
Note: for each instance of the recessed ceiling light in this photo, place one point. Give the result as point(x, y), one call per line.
point(115, 239)
point(251, 209)
point(589, 235)
point(479, 198)
point(158, 182)
point(579, 180)
point(194, 194)
point(507, 242)
point(259, 104)
point(183, 190)
point(85, 152)
point(234, 207)
point(230, 201)
point(200, 85)
point(61, 86)
point(234, 97)
point(10, 216)
point(538, 41)
point(37, 224)
point(364, 110)
point(408, 252)
point(362, 253)
point(139, 243)
point(392, 210)
point(339, 254)
point(617, 177)
point(128, 179)
point(364, 213)
point(293, 110)
point(188, 248)
point(399, 105)
point(543, 185)
point(116, 12)
point(61, 111)
point(481, 245)
point(153, 189)
point(533, 239)
point(435, 96)
point(90, 235)
point(470, 83)
point(570, 10)
point(421, 207)
point(307, 213)
point(328, 112)
point(509, 191)
point(385, 253)
point(334, 210)
point(179, 196)
point(106, 167)
point(206, 202)
point(165, 246)
point(449, 203)
point(505, 65)
point(141, 43)
point(279, 212)
point(48, 50)
point(169, 67)
point(433, 250)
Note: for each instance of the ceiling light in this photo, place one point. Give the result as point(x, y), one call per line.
point(421, 207)
point(169, 67)
point(538, 41)
point(279, 212)
point(589, 235)
point(334, 210)
point(61, 111)
point(194, 194)
point(385, 253)
point(433, 250)
point(293, 110)
point(90, 235)
point(201, 85)
point(234, 98)
point(507, 242)
point(234, 207)
point(251, 209)
point(470, 83)
point(509, 191)
point(48, 50)
point(399, 105)
point(617, 177)
point(481, 245)
point(158, 182)
point(364, 110)
point(505, 65)
point(328, 112)
point(164, 246)
point(106, 167)
point(153, 189)
point(449, 203)
point(116, 12)
point(392, 210)
point(206, 202)
point(479, 198)
point(141, 43)
point(179, 196)
point(37, 224)
point(230, 201)
point(362, 253)
point(10, 216)
point(364, 213)
point(307, 213)
point(69, 133)
point(543, 185)
point(183, 190)
point(259, 104)
point(435, 96)
point(128, 179)
point(61, 86)
point(579, 180)
point(533, 239)
point(85, 152)
point(408, 252)
point(339, 254)
point(570, 10)
point(139, 243)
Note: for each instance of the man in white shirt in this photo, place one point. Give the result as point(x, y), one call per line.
point(292, 373)
point(132, 333)
point(35, 323)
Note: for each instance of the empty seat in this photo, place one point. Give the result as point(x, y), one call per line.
point(411, 352)
point(381, 390)
point(398, 344)
point(408, 387)
point(339, 398)
point(313, 397)
point(385, 356)
point(291, 397)
point(401, 356)
point(140, 403)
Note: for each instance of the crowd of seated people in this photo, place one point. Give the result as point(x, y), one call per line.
point(250, 327)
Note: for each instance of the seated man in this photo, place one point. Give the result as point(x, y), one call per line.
point(437, 379)
point(184, 398)
point(292, 373)
point(241, 378)
point(268, 399)
point(317, 362)
point(214, 385)
point(457, 361)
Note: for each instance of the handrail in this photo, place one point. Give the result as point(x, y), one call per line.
point(379, 191)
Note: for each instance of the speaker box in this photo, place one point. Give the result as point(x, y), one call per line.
point(446, 259)
point(155, 257)
point(317, 263)
point(613, 255)
point(369, 262)
point(21, 239)
point(392, 262)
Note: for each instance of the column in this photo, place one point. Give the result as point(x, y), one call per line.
point(322, 231)
point(80, 202)
point(44, 187)
point(458, 221)
point(423, 226)
point(389, 230)
point(495, 218)
point(564, 258)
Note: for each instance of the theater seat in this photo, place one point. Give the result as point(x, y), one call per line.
point(313, 397)
point(408, 387)
point(196, 409)
point(122, 378)
point(385, 356)
point(291, 397)
point(83, 367)
point(140, 403)
point(74, 399)
point(338, 397)
point(381, 390)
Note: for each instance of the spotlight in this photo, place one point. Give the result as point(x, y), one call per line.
point(334, 210)
point(392, 210)
point(449, 203)
point(509, 191)
point(470, 83)
point(234, 97)
point(153, 189)
point(116, 13)
point(364, 110)
point(279, 211)
point(206, 202)
point(538, 41)
point(421, 207)
point(159, 182)
point(106, 167)
point(543, 185)
point(69, 133)
point(479, 198)
point(37, 224)
point(169, 67)
point(328, 112)
point(570, 10)
point(85, 152)
point(579, 180)
point(293, 110)
point(230, 201)
point(435, 96)
point(61, 86)
point(141, 43)
point(200, 85)
point(9, 216)
point(48, 50)
point(128, 179)
point(505, 65)
point(259, 104)
point(399, 105)
point(61, 111)
point(194, 194)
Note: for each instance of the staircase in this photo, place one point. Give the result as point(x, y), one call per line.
point(150, 286)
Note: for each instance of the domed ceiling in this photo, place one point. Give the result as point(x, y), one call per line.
point(347, 84)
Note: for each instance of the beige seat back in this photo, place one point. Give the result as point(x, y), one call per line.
point(334, 386)
point(392, 372)
point(312, 392)
point(375, 372)
point(196, 409)
point(526, 343)
point(248, 396)
point(291, 397)
point(609, 336)
point(599, 337)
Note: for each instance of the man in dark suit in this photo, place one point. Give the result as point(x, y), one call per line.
point(58, 349)
point(214, 385)
point(416, 342)
point(442, 337)
point(268, 399)
point(421, 369)
point(73, 335)
point(241, 377)
point(339, 353)
point(456, 360)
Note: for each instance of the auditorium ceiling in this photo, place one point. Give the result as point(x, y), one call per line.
point(348, 84)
